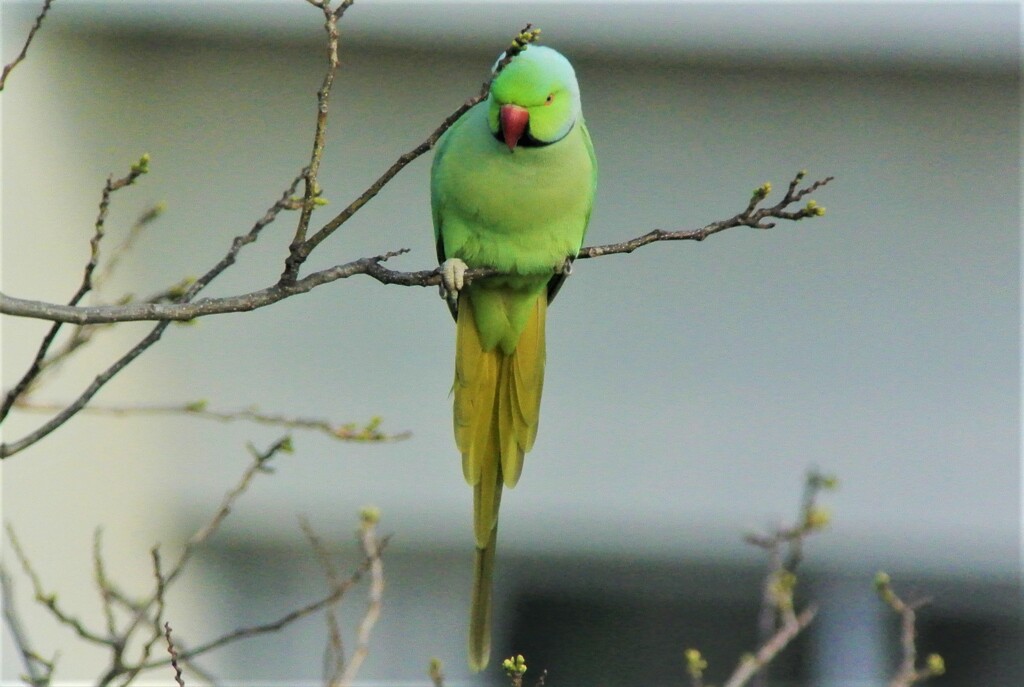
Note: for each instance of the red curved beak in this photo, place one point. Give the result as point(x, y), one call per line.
point(513, 124)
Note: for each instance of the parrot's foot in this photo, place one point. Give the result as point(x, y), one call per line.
point(453, 278)
point(564, 268)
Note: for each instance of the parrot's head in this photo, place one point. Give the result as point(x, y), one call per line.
point(534, 100)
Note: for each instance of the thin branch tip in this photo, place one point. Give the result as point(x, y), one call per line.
point(36, 25)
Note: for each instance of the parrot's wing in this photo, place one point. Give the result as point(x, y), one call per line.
point(559, 277)
point(437, 203)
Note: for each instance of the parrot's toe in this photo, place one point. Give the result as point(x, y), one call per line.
point(453, 278)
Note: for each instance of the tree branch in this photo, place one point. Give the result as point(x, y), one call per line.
point(39, 671)
point(137, 170)
point(9, 449)
point(751, 664)
point(811, 518)
point(334, 652)
point(778, 621)
point(753, 216)
point(49, 601)
point(146, 614)
point(312, 186)
point(84, 335)
point(371, 547)
point(174, 656)
point(908, 673)
point(28, 41)
point(369, 432)
point(275, 625)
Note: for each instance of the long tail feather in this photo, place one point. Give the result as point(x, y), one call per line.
point(497, 406)
point(480, 609)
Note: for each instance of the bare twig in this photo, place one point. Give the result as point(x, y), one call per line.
point(752, 216)
point(119, 668)
point(259, 465)
point(778, 622)
point(49, 601)
point(371, 547)
point(260, 461)
point(281, 622)
point(148, 612)
point(102, 583)
point(776, 597)
point(28, 41)
point(334, 652)
point(132, 672)
point(113, 261)
point(174, 656)
point(908, 673)
point(39, 671)
point(85, 334)
point(777, 612)
point(137, 170)
point(9, 449)
point(369, 432)
point(312, 185)
point(751, 664)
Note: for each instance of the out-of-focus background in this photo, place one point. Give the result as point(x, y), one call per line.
point(689, 386)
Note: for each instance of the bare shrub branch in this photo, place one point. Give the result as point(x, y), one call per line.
point(779, 623)
point(908, 673)
point(749, 665)
point(137, 170)
point(145, 624)
point(174, 656)
point(280, 623)
point(371, 548)
point(334, 652)
point(312, 186)
point(28, 41)
point(48, 600)
point(368, 432)
point(9, 449)
point(38, 670)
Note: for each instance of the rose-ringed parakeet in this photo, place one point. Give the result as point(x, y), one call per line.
point(512, 185)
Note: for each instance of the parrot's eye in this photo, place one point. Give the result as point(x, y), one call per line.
point(550, 99)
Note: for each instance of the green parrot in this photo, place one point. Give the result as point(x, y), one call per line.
point(512, 186)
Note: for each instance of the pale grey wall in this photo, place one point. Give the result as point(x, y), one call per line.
point(688, 386)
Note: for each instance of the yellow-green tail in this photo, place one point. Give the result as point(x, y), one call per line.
point(497, 406)
point(480, 608)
